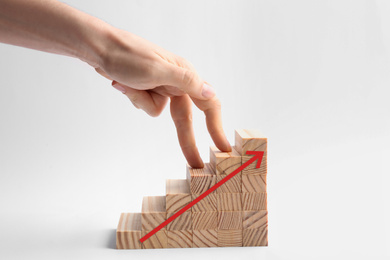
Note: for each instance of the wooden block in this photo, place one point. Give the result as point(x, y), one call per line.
point(229, 202)
point(255, 183)
point(229, 220)
point(204, 220)
point(224, 163)
point(255, 237)
point(179, 238)
point(204, 238)
point(249, 140)
point(178, 195)
point(182, 222)
point(157, 240)
point(128, 232)
point(200, 179)
point(251, 168)
point(230, 238)
point(233, 185)
point(254, 201)
point(153, 212)
point(208, 203)
point(254, 219)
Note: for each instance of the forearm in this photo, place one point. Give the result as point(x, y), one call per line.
point(52, 26)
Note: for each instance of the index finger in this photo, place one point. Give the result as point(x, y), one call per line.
point(212, 111)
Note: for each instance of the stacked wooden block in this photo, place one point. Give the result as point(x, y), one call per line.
point(235, 214)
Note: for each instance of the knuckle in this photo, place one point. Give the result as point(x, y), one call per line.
point(188, 78)
point(217, 104)
point(134, 97)
point(181, 61)
point(153, 113)
point(213, 106)
point(183, 120)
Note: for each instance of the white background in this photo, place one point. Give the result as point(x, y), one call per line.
point(312, 75)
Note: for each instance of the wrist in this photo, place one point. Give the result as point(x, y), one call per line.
point(96, 42)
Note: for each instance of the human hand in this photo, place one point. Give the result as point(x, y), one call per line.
point(149, 76)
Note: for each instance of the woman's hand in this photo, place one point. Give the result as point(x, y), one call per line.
point(149, 76)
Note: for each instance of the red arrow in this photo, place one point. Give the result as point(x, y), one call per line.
point(257, 155)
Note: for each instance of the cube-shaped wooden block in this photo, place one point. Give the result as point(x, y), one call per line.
point(255, 237)
point(230, 238)
point(208, 203)
point(249, 140)
point(255, 219)
point(128, 232)
point(182, 222)
point(179, 238)
point(229, 202)
point(251, 168)
point(200, 179)
point(233, 185)
point(224, 162)
point(204, 220)
point(229, 220)
point(204, 238)
point(178, 195)
point(254, 183)
point(254, 201)
point(153, 212)
point(157, 240)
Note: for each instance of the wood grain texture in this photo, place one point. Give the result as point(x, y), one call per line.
point(249, 140)
point(153, 212)
point(179, 238)
point(229, 220)
point(251, 168)
point(178, 195)
point(208, 203)
point(158, 240)
point(229, 202)
point(222, 162)
point(204, 238)
point(128, 232)
point(204, 220)
point(229, 238)
point(254, 219)
point(255, 183)
point(254, 201)
point(182, 222)
point(233, 185)
point(255, 237)
point(200, 179)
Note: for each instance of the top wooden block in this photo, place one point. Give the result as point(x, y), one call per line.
point(249, 140)
point(153, 204)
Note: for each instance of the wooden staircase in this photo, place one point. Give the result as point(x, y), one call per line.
point(235, 214)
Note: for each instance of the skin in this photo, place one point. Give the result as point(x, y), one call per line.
point(147, 74)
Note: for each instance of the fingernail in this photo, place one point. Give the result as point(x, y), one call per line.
point(120, 88)
point(207, 91)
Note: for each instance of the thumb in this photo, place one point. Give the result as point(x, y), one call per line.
point(189, 82)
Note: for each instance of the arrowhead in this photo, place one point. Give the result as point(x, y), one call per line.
point(258, 155)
